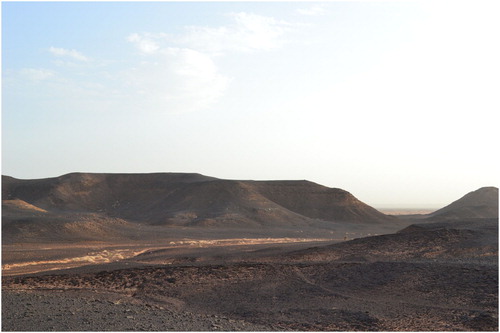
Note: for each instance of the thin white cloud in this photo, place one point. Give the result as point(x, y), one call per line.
point(177, 80)
point(145, 43)
point(61, 52)
point(311, 11)
point(247, 32)
point(178, 73)
point(37, 74)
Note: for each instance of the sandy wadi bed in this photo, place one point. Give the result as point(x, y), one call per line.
point(33, 258)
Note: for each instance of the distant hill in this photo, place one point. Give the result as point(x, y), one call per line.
point(114, 201)
point(482, 203)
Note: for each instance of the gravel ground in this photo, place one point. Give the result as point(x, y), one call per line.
point(428, 278)
point(379, 296)
point(70, 311)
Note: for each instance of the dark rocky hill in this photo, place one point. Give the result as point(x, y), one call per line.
point(189, 199)
point(107, 203)
point(317, 201)
point(482, 203)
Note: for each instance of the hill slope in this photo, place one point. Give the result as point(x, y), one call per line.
point(175, 199)
point(319, 202)
point(474, 240)
point(482, 203)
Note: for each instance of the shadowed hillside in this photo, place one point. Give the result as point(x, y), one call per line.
point(317, 201)
point(186, 200)
point(482, 203)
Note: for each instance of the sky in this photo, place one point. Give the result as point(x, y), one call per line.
point(393, 101)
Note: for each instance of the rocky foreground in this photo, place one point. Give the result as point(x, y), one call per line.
point(89, 311)
point(266, 296)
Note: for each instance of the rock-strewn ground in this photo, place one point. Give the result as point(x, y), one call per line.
point(380, 296)
point(432, 277)
point(87, 311)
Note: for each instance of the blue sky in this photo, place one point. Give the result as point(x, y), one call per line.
point(395, 102)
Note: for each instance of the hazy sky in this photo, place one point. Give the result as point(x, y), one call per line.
point(395, 102)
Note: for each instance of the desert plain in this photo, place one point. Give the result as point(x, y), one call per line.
point(187, 252)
